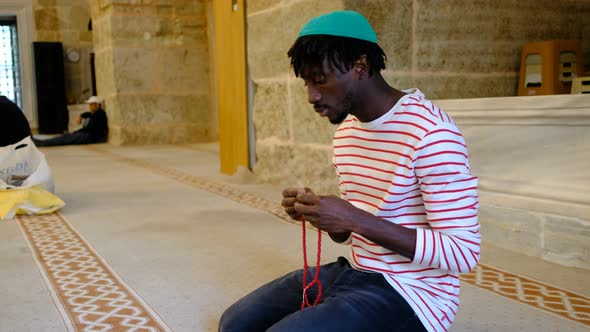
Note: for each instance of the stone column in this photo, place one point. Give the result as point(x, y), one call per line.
point(152, 68)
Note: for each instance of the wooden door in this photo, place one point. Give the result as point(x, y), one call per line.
point(231, 83)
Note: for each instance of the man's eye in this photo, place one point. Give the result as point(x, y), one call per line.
point(314, 82)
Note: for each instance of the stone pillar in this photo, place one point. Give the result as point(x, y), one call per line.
point(46, 20)
point(152, 68)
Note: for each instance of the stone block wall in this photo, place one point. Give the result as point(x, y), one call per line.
point(152, 66)
point(456, 52)
point(448, 49)
point(464, 48)
point(66, 21)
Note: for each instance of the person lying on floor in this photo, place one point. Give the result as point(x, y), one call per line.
point(94, 129)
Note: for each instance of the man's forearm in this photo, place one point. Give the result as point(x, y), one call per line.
point(339, 237)
point(394, 237)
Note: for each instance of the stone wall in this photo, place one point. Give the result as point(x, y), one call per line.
point(66, 21)
point(466, 48)
point(152, 65)
point(448, 49)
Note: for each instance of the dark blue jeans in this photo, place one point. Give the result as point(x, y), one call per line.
point(77, 137)
point(352, 301)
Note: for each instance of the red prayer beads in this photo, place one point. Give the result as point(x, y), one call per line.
point(315, 281)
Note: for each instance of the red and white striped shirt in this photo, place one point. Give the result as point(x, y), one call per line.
point(410, 167)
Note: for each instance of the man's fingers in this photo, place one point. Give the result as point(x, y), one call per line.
point(300, 202)
point(308, 198)
point(291, 211)
point(289, 201)
point(304, 190)
point(290, 192)
point(304, 208)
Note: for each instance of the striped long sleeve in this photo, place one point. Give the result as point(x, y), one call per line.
point(410, 167)
point(449, 192)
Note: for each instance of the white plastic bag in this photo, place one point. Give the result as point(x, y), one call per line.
point(26, 182)
point(22, 165)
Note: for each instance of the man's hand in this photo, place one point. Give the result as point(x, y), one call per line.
point(289, 200)
point(339, 218)
point(328, 213)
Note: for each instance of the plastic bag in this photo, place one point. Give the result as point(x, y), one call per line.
point(26, 182)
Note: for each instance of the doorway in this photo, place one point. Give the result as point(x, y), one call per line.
point(231, 87)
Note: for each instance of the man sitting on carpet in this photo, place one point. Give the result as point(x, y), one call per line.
point(408, 207)
point(94, 129)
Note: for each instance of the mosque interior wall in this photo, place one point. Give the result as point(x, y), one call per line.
point(153, 69)
point(530, 154)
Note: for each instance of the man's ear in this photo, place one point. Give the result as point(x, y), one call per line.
point(361, 66)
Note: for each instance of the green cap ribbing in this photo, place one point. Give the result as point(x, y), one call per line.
point(346, 23)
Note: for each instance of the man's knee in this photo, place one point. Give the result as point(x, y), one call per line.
point(230, 320)
point(224, 322)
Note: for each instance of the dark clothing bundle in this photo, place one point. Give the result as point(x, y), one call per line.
point(13, 124)
point(96, 125)
point(95, 129)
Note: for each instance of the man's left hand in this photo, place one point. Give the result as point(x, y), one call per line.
point(328, 213)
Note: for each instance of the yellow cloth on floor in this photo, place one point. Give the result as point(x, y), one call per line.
point(32, 200)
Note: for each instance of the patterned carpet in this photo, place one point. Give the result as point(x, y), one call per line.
point(91, 296)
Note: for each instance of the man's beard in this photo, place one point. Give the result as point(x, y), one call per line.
point(345, 111)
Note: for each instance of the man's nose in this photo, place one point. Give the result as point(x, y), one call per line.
point(313, 95)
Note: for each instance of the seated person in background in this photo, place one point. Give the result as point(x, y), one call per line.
point(94, 129)
point(13, 124)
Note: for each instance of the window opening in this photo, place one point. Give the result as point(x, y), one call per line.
point(10, 80)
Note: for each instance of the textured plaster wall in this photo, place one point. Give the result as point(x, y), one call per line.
point(66, 21)
point(152, 64)
point(531, 155)
point(448, 49)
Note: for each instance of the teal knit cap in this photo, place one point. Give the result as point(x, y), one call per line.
point(346, 23)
